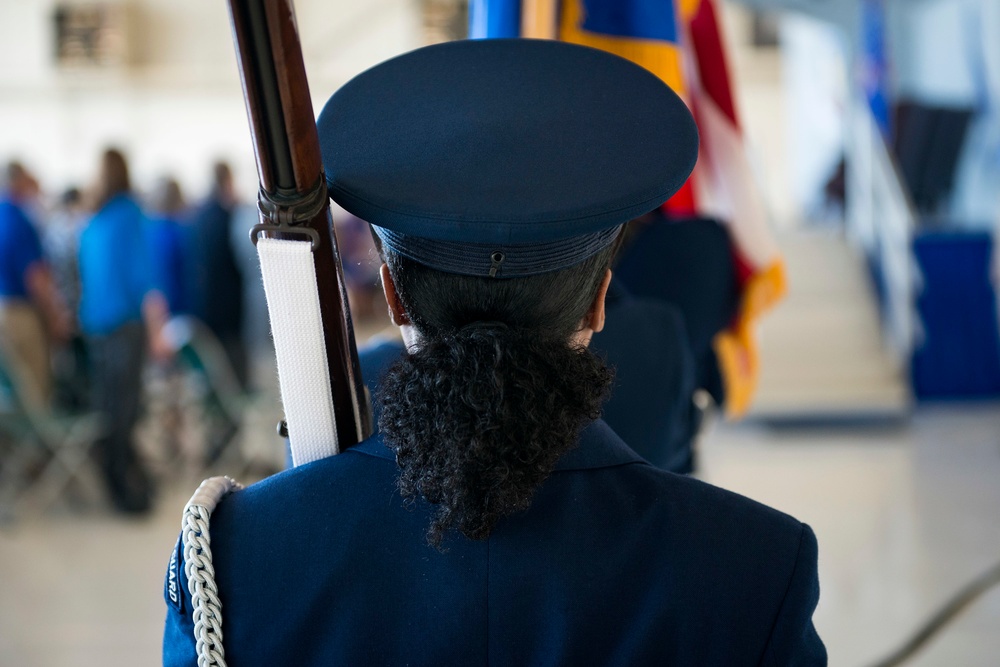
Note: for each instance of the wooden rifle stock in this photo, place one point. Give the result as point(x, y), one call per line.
point(293, 199)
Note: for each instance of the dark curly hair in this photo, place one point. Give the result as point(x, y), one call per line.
point(494, 394)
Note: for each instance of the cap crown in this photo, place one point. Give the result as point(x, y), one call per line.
point(505, 142)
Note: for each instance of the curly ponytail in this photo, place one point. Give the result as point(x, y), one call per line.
point(494, 394)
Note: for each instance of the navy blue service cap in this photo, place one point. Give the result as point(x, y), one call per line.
point(504, 157)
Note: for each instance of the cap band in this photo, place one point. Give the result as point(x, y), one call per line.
point(498, 260)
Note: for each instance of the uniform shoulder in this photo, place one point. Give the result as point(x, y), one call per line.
point(718, 513)
point(349, 478)
point(744, 547)
point(682, 501)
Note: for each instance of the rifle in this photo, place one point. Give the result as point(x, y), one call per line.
point(304, 282)
point(294, 205)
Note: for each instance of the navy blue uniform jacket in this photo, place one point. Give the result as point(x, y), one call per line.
point(615, 563)
point(650, 405)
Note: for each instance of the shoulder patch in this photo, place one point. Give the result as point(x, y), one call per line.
point(172, 592)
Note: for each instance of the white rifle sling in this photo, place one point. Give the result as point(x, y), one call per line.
point(303, 374)
point(206, 608)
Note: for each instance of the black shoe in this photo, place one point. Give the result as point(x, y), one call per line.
point(134, 493)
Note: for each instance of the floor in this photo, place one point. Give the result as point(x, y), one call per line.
point(905, 515)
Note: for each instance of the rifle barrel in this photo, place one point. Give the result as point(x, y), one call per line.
point(286, 146)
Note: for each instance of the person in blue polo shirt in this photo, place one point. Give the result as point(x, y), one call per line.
point(119, 309)
point(32, 314)
point(494, 519)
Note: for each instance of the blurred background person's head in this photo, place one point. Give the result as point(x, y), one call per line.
point(17, 183)
point(167, 199)
point(71, 199)
point(113, 177)
point(222, 183)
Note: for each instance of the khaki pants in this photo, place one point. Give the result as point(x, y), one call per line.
point(25, 347)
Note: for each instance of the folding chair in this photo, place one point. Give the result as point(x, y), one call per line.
point(43, 451)
point(222, 401)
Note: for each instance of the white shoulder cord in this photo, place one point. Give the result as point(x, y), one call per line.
point(205, 604)
point(289, 274)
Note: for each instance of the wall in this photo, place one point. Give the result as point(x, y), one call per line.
point(178, 104)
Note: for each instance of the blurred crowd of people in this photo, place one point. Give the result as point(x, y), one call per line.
point(88, 283)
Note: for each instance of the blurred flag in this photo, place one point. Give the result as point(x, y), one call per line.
point(680, 42)
point(726, 188)
point(494, 18)
point(874, 62)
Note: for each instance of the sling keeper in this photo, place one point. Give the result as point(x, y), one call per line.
point(512, 162)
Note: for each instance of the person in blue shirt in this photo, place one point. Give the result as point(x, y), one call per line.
point(32, 314)
point(169, 245)
point(494, 519)
point(119, 312)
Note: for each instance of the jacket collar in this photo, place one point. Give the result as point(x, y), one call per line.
point(599, 447)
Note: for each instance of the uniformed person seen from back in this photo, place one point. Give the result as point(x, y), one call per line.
point(493, 518)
